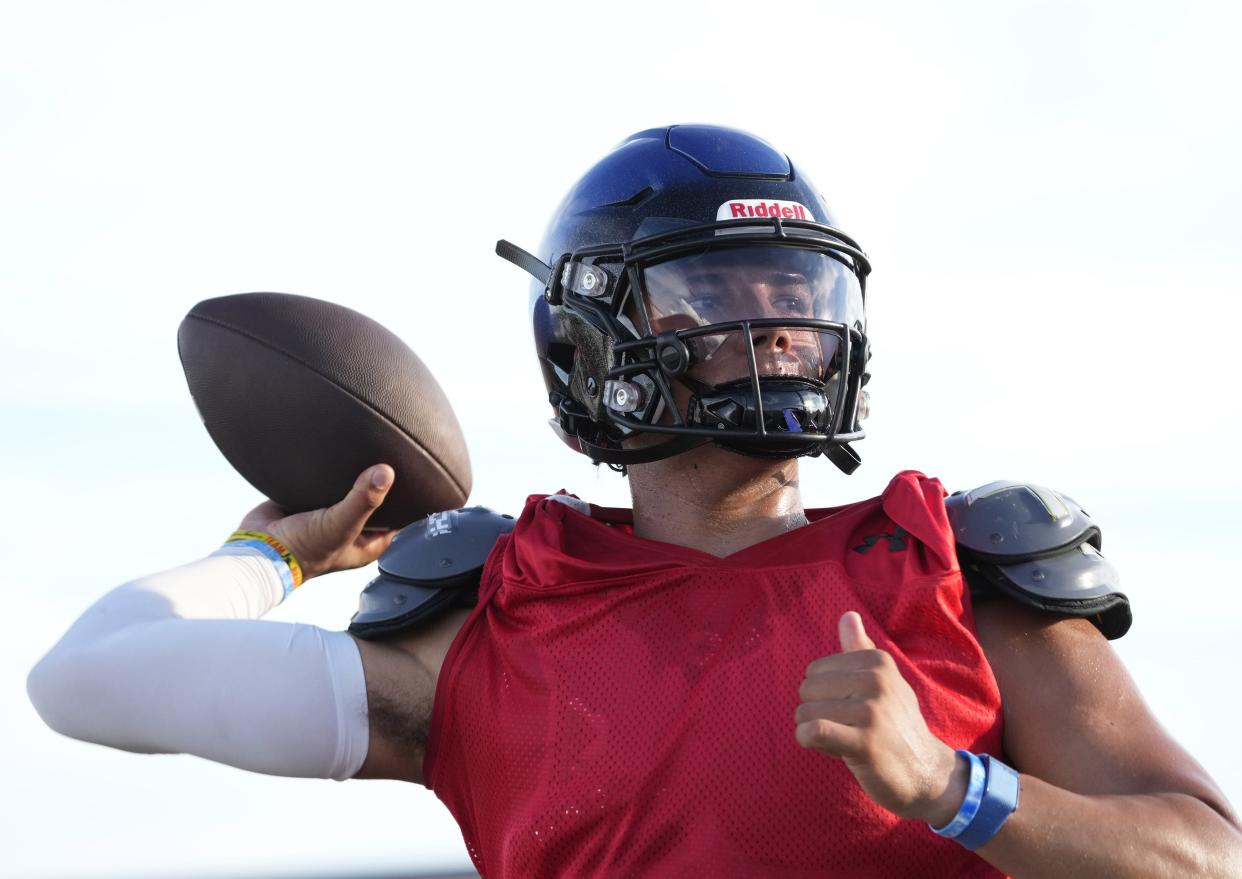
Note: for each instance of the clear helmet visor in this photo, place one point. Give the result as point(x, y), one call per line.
point(773, 283)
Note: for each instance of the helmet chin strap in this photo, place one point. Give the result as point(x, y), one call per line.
point(844, 456)
point(659, 452)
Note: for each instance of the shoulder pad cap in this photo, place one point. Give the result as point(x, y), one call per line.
point(1006, 521)
point(1040, 548)
point(431, 566)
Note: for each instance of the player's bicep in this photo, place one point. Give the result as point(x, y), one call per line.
point(1073, 715)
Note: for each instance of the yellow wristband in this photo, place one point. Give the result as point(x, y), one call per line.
point(285, 555)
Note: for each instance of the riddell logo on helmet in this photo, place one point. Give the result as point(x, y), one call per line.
point(742, 208)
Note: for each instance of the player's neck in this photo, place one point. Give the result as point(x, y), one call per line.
point(715, 501)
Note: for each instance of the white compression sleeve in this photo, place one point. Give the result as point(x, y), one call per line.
point(179, 663)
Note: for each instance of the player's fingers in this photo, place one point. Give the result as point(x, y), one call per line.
point(850, 712)
point(370, 545)
point(832, 738)
point(347, 517)
point(851, 661)
point(853, 633)
point(840, 685)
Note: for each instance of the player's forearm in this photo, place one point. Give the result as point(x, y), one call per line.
point(174, 663)
point(1058, 833)
point(111, 635)
point(236, 586)
point(132, 631)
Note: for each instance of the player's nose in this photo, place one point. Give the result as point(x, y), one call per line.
point(774, 338)
point(771, 339)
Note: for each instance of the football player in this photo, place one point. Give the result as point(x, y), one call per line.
point(720, 680)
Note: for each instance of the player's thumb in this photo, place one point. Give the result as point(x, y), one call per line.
point(368, 492)
point(853, 635)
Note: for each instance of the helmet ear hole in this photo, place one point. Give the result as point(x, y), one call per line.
point(591, 358)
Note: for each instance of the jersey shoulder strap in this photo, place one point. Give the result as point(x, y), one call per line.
point(1039, 547)
point(432, 566)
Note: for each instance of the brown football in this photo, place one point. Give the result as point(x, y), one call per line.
point(302, 395)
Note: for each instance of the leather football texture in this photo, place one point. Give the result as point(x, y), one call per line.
point(302, 395)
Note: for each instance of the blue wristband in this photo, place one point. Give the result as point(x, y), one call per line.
point(970, 805)
point(1000, 800)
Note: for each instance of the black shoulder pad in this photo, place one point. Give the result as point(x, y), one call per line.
point(1038, 547)
point(431, 566)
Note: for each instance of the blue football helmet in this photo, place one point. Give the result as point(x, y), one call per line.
point(692, 288)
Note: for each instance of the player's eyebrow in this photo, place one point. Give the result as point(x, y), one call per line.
point(731, 273)
point(778, 275)
point(705, 275)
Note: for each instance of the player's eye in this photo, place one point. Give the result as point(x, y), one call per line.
point(792, 303)
point(704, 304)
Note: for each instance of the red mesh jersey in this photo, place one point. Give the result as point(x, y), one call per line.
point(617, 706)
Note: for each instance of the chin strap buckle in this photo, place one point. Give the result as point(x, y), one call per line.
point(846, 459)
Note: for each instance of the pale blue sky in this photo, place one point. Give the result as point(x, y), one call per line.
point(1048, 192)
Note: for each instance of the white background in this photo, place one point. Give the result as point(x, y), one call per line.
point(1049, 193)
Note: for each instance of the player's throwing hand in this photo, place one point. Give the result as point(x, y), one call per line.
point(858, 707)
point(332, 538)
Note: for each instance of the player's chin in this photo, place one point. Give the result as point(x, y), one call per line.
point(724, 462)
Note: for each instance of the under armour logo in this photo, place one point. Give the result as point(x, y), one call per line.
point(896, 540)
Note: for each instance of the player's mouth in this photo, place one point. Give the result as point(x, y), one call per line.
point(769, 364)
